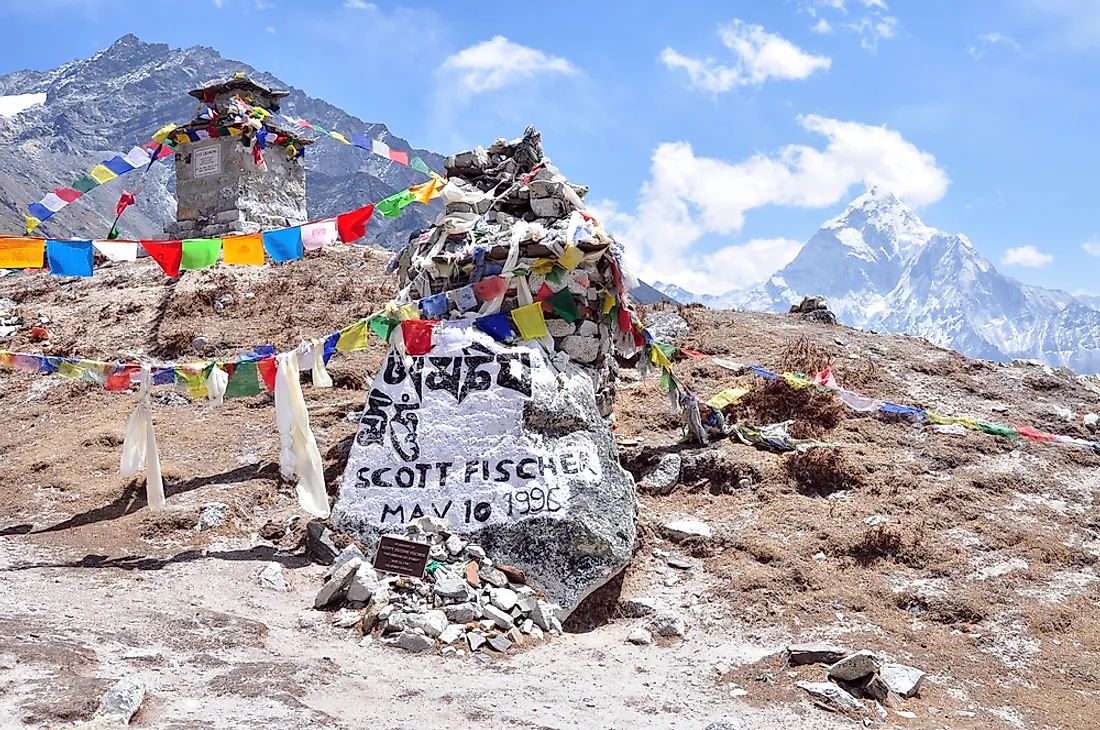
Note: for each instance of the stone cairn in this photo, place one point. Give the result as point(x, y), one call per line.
point(814, 309)
point(507, 208)
point(467, 603)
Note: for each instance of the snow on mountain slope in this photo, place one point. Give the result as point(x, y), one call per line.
point(880, 267)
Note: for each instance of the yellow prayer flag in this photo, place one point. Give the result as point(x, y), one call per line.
point(727, 397)
point(408, 311)
point(70, 371)
point(6, 360)
point(337, 135)
point(572, 257)
point(425, 192)
point(234, 131)
point(181, 138)
point(796, 382)
point(195, 377)
point(101, 174)
point(32, 223)
point(530, 321)
point(353, 338)
point(659, 358)
point(608, 302)
point(244, 250)
point(22, 253)
point(542, 266)
point(161, 135)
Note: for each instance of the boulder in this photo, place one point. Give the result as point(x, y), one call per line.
point(462, 613)
point(336, 587)
point(1092, 421)
point(509, 450)
point(640, 607)
point(363, 584)
point(833, 696)
point(683, 529)
point(663, 477)
point(432, 623)
point(410, 641)
point(640, 636)
point(816, 653)
point(319, 543)
point(901, 679)
point(855, 666)
point(213, 515)
point(122, 701)
point(271, 577)
point(668, 623)
point(666, 325)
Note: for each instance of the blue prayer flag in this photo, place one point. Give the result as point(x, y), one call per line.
point(435, 306)
point(285, 244)
point(330, 346)
point(39, 211)
point(69, 258)
point(118, 165)
point(497, 326)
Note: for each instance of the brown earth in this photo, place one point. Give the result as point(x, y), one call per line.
point(984, 575)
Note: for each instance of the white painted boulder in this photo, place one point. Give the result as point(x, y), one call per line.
point(503, 446)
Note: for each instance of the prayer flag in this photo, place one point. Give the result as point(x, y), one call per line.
point(101, 174)
point(245, 250)
point(37, 212)
point(194, 377)
point(401, 158)
point(117, 250)
point(490, 288)
point(21, 253)
point(69, 258)
point(419, 165)
point(435, 306)
point(285, 244)
point(659, 357)
point(199, 253)
point(572, 257)
point(68, 370)
point(409, 311)
point(353, 226)
point(530, 321)
point(383, 326)
point(338, 136)
point(564, 305)
point(425, 192)
point(318, 235)
point(52, 203)
point(379, 147)
point(418, 335)
point(544, 293)
point(267, 369)
point(245, 380)
point(624, 319)
point(118, 165)
point(85, 184)
point(32, 222)
point(124, 201)
point(167, 254)
point(118, 381)
point(608, 303)
point(464, 298)
point(391, 206)
point(353, 338)
point(330, 347)
point(728, 397)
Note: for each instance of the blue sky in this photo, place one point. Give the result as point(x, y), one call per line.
point(715, 136)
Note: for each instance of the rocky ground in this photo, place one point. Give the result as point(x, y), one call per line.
point(983, 573)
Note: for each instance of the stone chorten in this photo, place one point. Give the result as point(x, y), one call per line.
point(221, 189)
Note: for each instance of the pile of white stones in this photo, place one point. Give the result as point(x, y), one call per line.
point(466, 603)
point(856, 676)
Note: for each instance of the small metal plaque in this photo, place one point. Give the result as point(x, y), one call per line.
point(401, 557)
point(207, 161)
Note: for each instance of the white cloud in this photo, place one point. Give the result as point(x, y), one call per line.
point(496, 63)
point(1092, 247)
point(874, 29)
point(270, 29)
point(218, 3)
point(1026, 256)
point(821, 26)
point(359, 5)
point(759, 56)
point(688, 197)
point(874, 4)
point(987, 41)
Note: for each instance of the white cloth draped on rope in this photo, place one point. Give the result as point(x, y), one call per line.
point(139, 449)
point(311, 356)
point(299, 455)
point(216, 383)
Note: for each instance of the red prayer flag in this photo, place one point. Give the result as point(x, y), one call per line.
point(119, 380)
point(545, 292)
point(124, 201)
point(1034, 435)
point(353, 226)
point(418, 335)
point(693, 353)
point(400, 157)
point(624, 319)
point(490, 288)
point(168, 254)
point(67, 194)
point(267, 369)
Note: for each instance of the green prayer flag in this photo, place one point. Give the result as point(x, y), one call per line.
point(994, 429)
point(244, 382)
point(85, 184)
point(419, 165)
point(666, 379)
point(555, 275)
point(564, 305)
point(198, 253)
point(665, 348)
point(391, 206)
point(383, 326)
point(114, 232)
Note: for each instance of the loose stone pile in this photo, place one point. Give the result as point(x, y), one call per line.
point(856, 676)
point(466, 603)
point(510, 211)
point(814, 309)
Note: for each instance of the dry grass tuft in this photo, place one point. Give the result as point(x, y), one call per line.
point(812, 411)
point(821, 472)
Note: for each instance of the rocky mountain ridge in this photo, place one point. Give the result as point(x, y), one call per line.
point(881, 268)
point(101, 106)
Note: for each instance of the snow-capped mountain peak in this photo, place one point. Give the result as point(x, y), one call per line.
point(880, 267)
